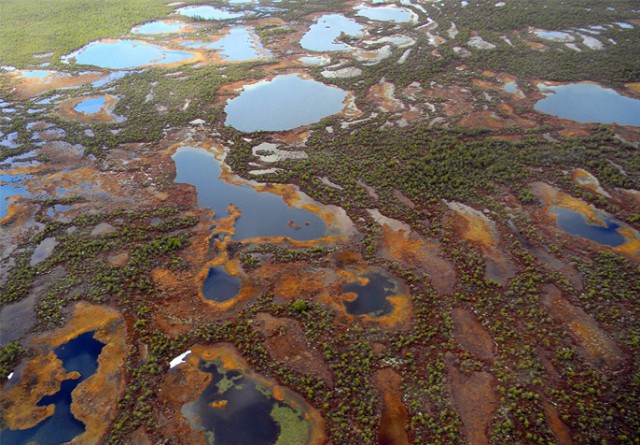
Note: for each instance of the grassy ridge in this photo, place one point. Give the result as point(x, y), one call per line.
point(60, 26)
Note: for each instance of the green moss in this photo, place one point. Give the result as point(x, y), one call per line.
point(294, 429)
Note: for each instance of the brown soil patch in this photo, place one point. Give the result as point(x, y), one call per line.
point(561, 432)
point(285, 341)
point(28, 88)
point(394, 414)
point(476, 400)
point(488, 119)
point(593, 343)
point(471, 334)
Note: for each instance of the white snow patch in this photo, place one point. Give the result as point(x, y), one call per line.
point(179, 359)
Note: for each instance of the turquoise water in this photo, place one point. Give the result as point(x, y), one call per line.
point(283, 103)
point(372, 297)
point(239, 44)
point(125, 54)
point(159, 27)
point(219, 285)
point(90, 106)
point(585, 102)
point(322, 34)
point(37, 74)
point(576, 224)
point(263, 213)
point(386, 14)
point(80, 355)
point(207, 12)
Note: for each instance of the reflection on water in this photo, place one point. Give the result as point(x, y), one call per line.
point(322, 35)
point(206, 12)
point(585, 102)
point(125, 54)
point(238, 45)
point(386, 14)
point(219, 285)
point(576, 223)
point(263, 214)
point(283, 103)
point(78, 355)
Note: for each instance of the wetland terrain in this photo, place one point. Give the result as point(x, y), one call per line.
point(289, 222)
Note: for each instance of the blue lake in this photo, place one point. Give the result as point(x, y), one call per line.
point(206, 12)
point(386, 14)
point(283, 103)
point(160, 27)
point(219, 285)
point(263, 213)
point(90, 106)
point(238, 45)
point(576, 223)
point(372, 297)
point(322, 35)
point(80, 355)
point(585, 102)
point(125, 54)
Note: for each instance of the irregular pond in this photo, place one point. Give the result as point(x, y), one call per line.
point(577, 224)
point(238, 409)
point(512, 88)
point(322, 35)
point(90, 106)
point(282, 103)
point(161, 27)
point(10, 187)
point(79, 355)
point(263, 214)
point(219, 285)
point(371, 297)
point(586, 102)
point(125, 54)
point(206, 12)
point(239, 44)
point(386, 14)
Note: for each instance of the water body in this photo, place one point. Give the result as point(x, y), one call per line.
point(585, 102)
point(322, 35)
point(235, 409)
point(206, 12)
point(283, 103)
point(263, 213)
point(557, 36)
point(125, 54)
point(10, 187)
point(35, 74)
point(90, 106)
point(238, 45)
point(386, 14)
point(372, 297)
point(220, 286)
point(512, 87)
point(575, 223)
point(80, 355)
point(314, 60)
point(160, 27)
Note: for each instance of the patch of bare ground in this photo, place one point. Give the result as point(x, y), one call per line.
point(593, 343)
point(285, 341)
point(560, 430)
point(475, 397)
point(471, 334)
point(394, 413)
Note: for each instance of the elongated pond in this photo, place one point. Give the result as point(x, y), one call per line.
point(576, 224)
point(161, 27)
point(264, 214)
point(207, 12)
point(386, 14)
point(78, 355)
point(237, 45)
point(283, 103)
point(586, 102)
point(322, 35)
point(125, 54)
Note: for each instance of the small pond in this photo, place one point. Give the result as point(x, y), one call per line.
point(10, 186)
point(90, 106)
point(282, 103)
point(238, 45)
point(125, 54)
point(237, 409)
point(322, 35)
point(512, 88)
point(575, 223)
point(264, 214)
point(557, 36)
point(386, 14)
point(586, 102)
point(161, 27)
point(219, 285)
point(207, 12)
point(372, 297)
point(80, 355)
